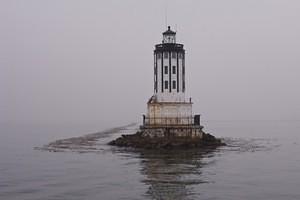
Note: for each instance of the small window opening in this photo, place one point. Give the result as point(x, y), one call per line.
point(174, 69)
point(174, 84)
point(173, 54)
point(166, 55)
point(166, 69)
point(166, 85)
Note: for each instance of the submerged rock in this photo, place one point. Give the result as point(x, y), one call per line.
point(141, 140)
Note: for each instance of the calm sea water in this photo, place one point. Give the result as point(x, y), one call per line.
point(261, 161)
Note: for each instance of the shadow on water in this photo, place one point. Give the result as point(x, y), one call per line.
point(171, 174)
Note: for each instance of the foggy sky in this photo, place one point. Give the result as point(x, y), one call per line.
point(92, 61)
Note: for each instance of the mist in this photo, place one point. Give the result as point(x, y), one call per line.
point(91, 62)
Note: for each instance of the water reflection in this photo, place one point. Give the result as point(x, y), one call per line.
point(171, 174)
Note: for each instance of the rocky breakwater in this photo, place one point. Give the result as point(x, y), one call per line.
point(166, 139)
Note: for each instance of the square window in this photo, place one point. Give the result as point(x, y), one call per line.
point(174, 70)
point(174, 84)
point(166, 55)
point(166, 69)
point(166, 85)
point(173, 54)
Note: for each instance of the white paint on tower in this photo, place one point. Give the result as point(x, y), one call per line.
point(168, 105)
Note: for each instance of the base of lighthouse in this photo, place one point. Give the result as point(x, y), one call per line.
point(192, 132)
point(171, 119)
point(168, 138)
point(169, 125)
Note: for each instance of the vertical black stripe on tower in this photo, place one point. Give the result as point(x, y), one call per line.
point(156, 75)
point(162, 72)
point(177, 69)
point(170, 83)
point(154, 60)
point(183, 72)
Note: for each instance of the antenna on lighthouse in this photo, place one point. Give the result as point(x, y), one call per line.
point(166, 14)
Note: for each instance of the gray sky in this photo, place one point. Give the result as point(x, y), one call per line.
point(92, 61)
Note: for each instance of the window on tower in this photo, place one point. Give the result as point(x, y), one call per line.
point(174, 84)
point(173, 54)
point(158, 55)
point(174, 70)
point(166, 55)
point(166, 85)
point(166, 69)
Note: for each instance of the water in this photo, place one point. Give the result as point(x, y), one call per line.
point(261, 161)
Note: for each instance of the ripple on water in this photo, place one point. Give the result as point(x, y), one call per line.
point(241, 145)
point(166, 173)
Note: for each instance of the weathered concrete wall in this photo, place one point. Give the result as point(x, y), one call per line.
point(170, 113)
point(190, 132)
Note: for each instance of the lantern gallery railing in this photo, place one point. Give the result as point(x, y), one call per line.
point(171, 121)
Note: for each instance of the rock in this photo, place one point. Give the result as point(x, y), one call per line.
point(139, 140)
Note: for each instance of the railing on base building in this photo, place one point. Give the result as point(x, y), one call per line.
point(171, 121)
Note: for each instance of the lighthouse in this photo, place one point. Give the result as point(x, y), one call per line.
point(168, 110)
point(169, 121)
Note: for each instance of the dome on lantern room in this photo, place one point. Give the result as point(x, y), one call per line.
point(169, 36)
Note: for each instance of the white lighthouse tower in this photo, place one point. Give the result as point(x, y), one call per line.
point(168, 110)
point(169, 122)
